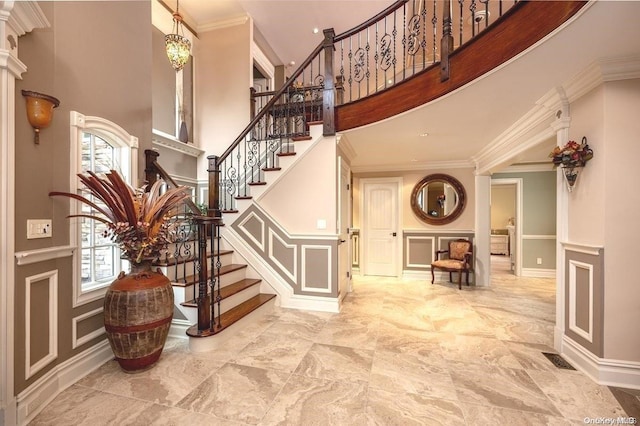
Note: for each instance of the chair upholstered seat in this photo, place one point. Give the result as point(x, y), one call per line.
point(459, 259)
point(457, 265)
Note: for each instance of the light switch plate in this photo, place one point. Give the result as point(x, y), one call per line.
point(38, 228)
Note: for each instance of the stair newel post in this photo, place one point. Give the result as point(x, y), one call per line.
point(150, 170)
point(328, 95)
point(446, 44)
point(252, 103)
point(204, 301)
point(216, 264)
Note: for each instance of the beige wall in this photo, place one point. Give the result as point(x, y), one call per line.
point(466, 221)
point(307, 192)
point(621, 202)
point(586, 207)
point(604, 204)
point(95, 58)
point(223, 72)
point(503, 205)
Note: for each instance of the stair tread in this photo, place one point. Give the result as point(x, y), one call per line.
point(233, 315)
point(271, 169)
point(229, 290)
point(225, 269)
point(285, 154)
point(301, 138)
point(257, 183)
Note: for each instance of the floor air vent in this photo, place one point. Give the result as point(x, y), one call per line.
point(558, 361)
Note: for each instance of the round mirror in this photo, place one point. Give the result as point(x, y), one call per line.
point(438, 199)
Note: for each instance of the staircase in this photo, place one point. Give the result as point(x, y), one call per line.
point(238, 293)
point(222, 290)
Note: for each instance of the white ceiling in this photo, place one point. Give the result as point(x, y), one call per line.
point(463, 123)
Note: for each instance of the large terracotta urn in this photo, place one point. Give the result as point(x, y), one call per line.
point(138, 309)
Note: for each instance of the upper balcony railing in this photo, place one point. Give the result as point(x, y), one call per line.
point(418, 43)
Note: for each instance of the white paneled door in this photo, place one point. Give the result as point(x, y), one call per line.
point(381, 227)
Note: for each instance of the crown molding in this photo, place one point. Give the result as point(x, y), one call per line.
point(434, 165)
point(25, 16)
point(217, 25)
point(343, 143)
point(528, 168)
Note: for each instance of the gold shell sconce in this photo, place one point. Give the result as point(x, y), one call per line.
point(39, 111)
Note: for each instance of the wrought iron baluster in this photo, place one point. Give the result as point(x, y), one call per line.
point(472, 8)
point(461, 3)
point(434, 22)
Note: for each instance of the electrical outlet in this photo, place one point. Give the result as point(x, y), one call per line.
point(539, 261)
point(38, 228)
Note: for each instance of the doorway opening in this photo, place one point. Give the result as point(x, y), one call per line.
point(506, 226)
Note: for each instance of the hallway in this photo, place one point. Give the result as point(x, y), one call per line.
point(400, 353)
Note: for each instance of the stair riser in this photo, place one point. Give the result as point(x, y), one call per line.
point(170, 271)
point(230, 302)
point(217, 341)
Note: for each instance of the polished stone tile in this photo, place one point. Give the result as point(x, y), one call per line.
point(400, 352)
point(83, 406)
point(236, 392)
point(407, 373)
point(274, 351)
point(577, 396)
point(355, 331)
point(404, 409)
point(477, 350)
point(487, 415)
point(336, 363)
point(309, 401)
point(500, 387)
point(168, 381)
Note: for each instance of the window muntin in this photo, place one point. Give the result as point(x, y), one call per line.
point(100, 257)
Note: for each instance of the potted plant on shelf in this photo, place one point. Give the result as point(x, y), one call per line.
point(571, 158)
point(138, 306)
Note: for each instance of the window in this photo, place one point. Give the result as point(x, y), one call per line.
point(97, 145)
point(99, 255)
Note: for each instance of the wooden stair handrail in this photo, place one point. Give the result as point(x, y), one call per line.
point(270, 104)
point(388, 11)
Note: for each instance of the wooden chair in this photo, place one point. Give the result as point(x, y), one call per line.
point(460, 260)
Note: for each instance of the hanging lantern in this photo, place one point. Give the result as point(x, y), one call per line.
point(177, 45)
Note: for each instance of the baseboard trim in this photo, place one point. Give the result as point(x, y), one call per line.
point(179, 328)
point(538, 273)
point(33, 399)
point(608, 372)
point(312, 303)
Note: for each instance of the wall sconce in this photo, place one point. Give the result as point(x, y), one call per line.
point(39, 111)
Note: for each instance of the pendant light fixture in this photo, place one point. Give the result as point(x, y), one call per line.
point(177, 45)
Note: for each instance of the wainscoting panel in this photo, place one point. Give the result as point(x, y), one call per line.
point(420, 248)
point(41, 321)
point(83, 327)
point(419, 251)
point(584, 297)
point(306, 263)
point(316, 268)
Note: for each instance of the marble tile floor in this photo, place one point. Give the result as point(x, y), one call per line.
point(401, 352)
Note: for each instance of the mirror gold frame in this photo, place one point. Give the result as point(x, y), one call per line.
point(423, 213)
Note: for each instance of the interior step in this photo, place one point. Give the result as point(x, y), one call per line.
point(224, 270)
point(229, 290)
point(232, 316)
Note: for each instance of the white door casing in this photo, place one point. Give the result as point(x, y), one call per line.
point(516, 251)
point(381, 225)
point(344, 224)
